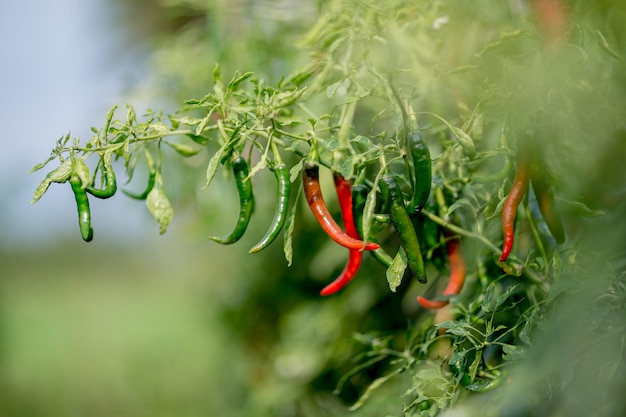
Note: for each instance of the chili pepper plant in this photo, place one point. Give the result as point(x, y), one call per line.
point(462, 287)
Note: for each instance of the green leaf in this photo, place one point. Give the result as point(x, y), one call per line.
point(373, 387)
point(182, 149)
point(288, 98)
point(605, 45)
point(200, 140)
point(466, 142)
point(295, 170)
point(109, 119)
point(213, 164)
point(189, 121)
point(579, 208)
point(59, 174)
point(203, 123)
point(232, 86)
point(160, 128)
point(217, 81)
point(395, 272)
point(481, 385)
point(299, 77)
point(458, 329)
point(259, 166)
point(41, 190)
point(524, 334)
point(217, 74)
point(83, 171)
point(159, 205)
point(460, 202)
point(514, 352)
point(504, 38)
point(493, 299)
point(41, 165)
point(131, 116)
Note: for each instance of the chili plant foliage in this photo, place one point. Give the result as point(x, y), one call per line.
point(427, 110)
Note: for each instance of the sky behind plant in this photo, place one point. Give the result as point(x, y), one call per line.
point(64, 64)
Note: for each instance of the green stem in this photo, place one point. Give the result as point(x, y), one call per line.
point(535, 233)
point(456, 229)
point(347, 116)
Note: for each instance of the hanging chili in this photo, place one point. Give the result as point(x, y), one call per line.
point(82, 204)
point(282, 204)
point(509, 209)
point(246, 202)
point(144, 194)
point(359, 197)
point(315, 200)
point(403, 225)
point(545, 197)
point(110, 184)
point(457, 276)
point(422, 170)
point(344, 195)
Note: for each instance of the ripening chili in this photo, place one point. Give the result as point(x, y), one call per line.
point(110, 184)
point(545, 197)
point(421, 170)
point(403, 225)
point(509, 209)
point(246, 202)
point(359, 197)
point(457, 276)
point(82, 204)
point(344, 195)
point(282, 204)
point(315, 200)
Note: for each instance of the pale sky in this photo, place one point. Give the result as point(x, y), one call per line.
point(63, 65)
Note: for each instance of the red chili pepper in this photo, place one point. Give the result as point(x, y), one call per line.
point(509, 209)
point(552, 20)
point(457, 276)
point(313, 193)
point(344, 195)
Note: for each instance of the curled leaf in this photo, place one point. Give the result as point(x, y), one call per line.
point(466, 142)
point(159, 205)
point(83, 171)
point(395, 272)
point(59, 174)
point(213, 164)
point(182, 149)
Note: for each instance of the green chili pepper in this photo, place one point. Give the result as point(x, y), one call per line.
point(82, 203)
point(110, 183)
point(152, 170)
point(143, 195)
point(402, 223)
point(422, 170)
point(282, 204)
point(359, 196)
point(246, 202)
